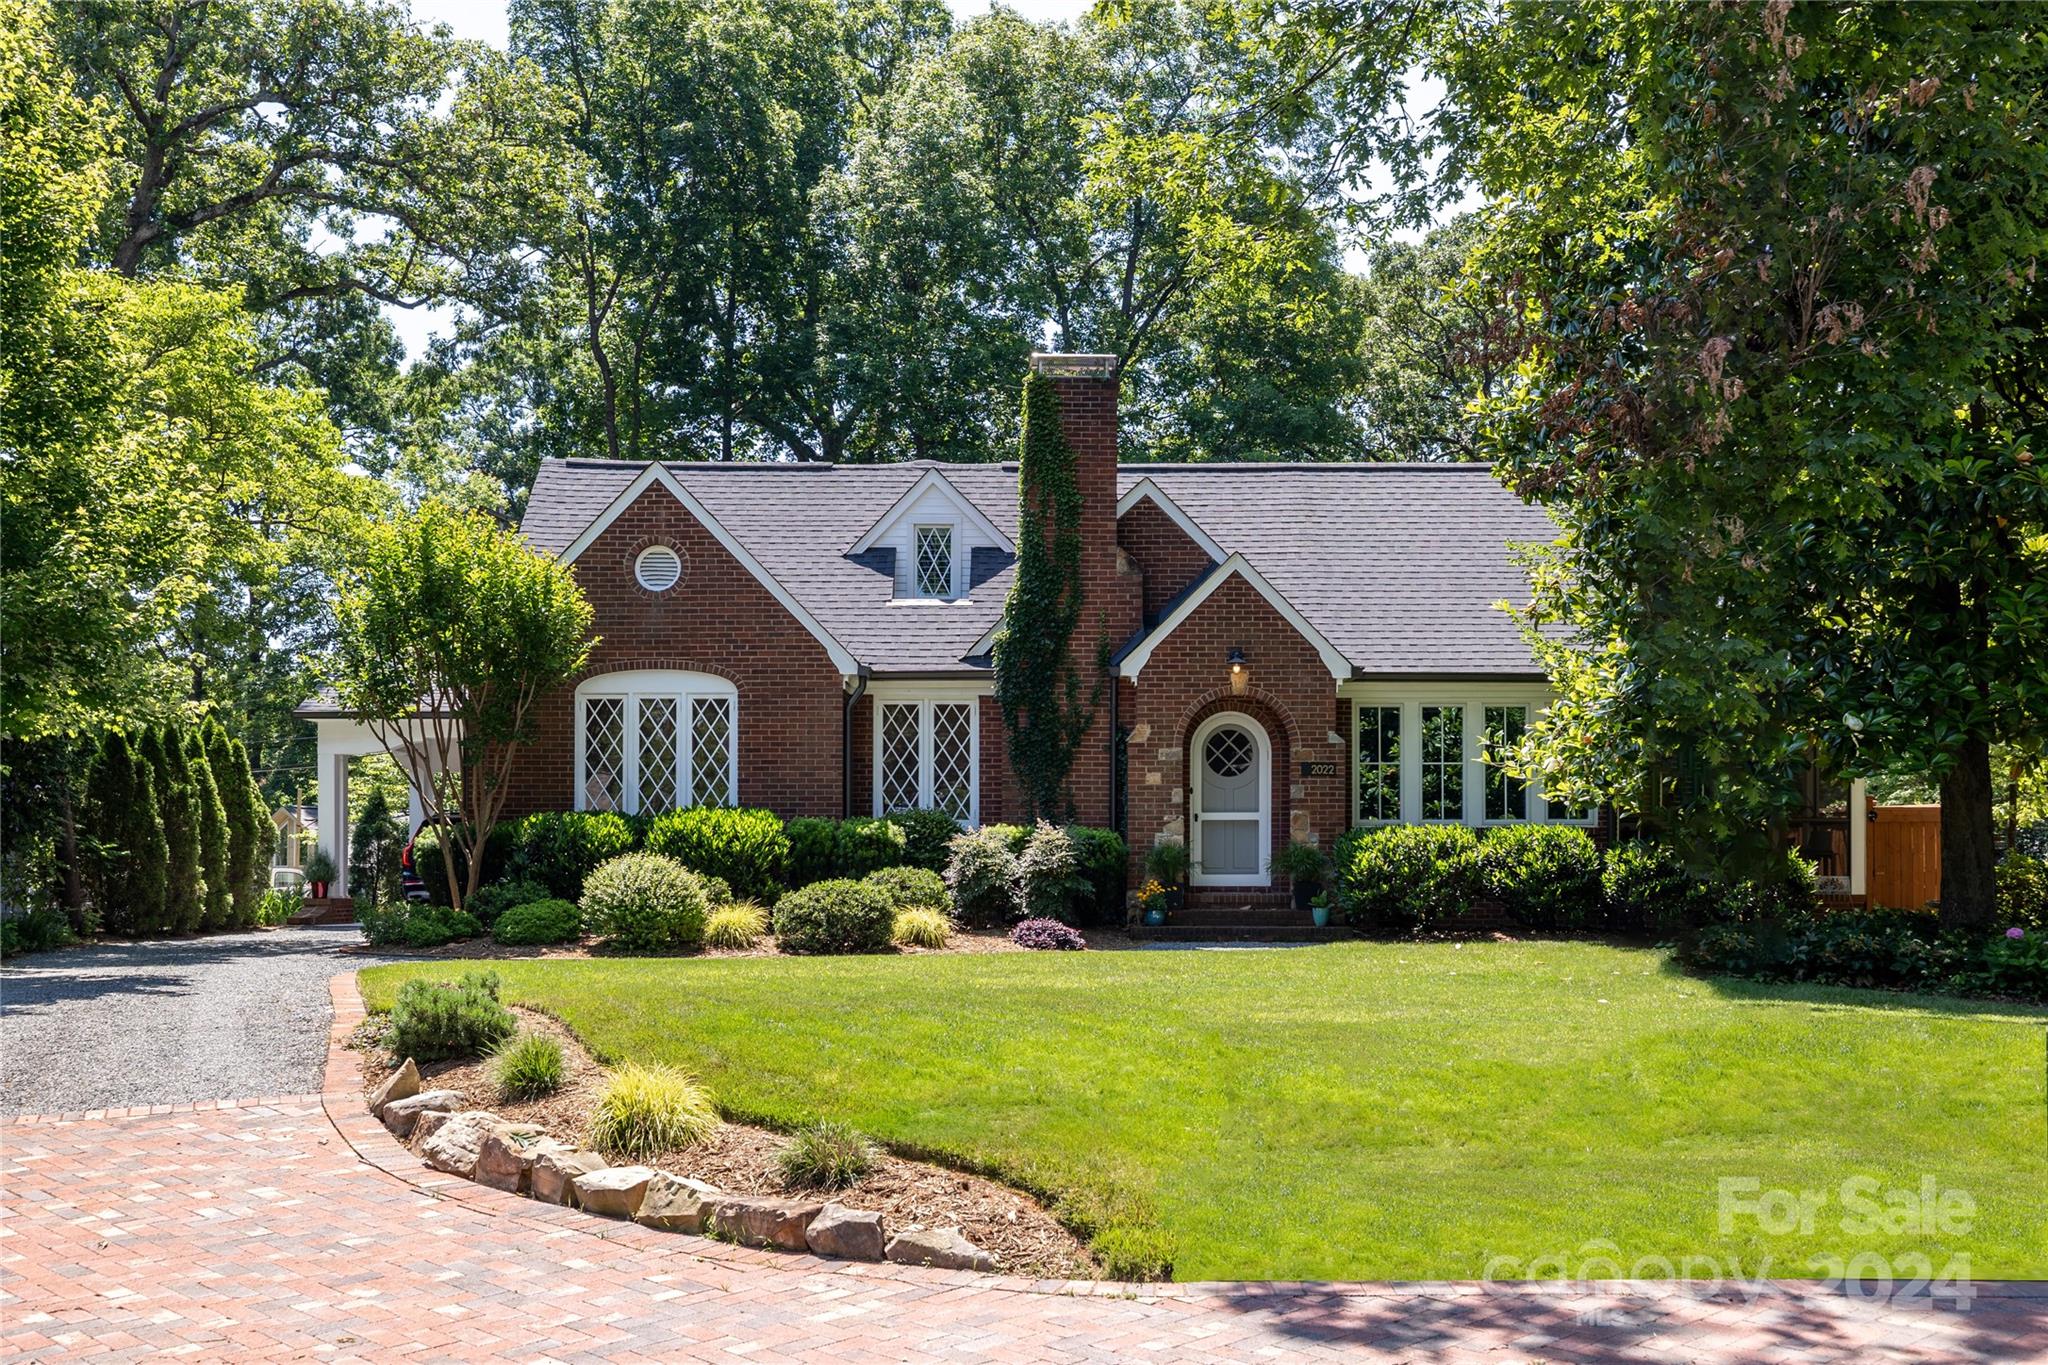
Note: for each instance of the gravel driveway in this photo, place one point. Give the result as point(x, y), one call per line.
point(214, 1018)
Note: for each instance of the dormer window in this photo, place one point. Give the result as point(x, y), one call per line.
point(935, 561)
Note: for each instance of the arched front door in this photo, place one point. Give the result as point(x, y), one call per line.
point(1232, 762)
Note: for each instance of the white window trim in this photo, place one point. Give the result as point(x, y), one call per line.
point(924, 696)
point(1475, 698)
point(1196, 766)
point(630, 687)
point(954, 588)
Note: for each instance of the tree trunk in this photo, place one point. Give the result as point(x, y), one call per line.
point(67, 855)
point(1968, 894)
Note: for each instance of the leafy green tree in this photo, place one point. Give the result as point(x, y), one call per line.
point(1426, 349)
point(127, 857)
point(1771, 305)
point(1038, 682)
point(218, 905)
point(451, 630)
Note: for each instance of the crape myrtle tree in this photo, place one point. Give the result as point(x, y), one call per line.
point(450, 631)
point(1774, 342)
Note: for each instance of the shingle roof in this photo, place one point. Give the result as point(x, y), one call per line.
point(1400, 565)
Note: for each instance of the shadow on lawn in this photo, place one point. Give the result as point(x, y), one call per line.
point(1857, 997)
point(1648, 1321)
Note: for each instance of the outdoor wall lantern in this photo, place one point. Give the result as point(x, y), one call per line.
point(1239, 676)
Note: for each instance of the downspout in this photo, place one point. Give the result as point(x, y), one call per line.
point(1113, 774)
point(860, 687)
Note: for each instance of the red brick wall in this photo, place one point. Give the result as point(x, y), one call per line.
point(1161, 552)
point(719, 619)
point(1288, 691)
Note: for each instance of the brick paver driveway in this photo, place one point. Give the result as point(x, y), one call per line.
point(293, 1228)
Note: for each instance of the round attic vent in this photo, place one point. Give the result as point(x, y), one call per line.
point(658, 568)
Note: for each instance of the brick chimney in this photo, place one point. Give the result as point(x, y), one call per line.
point(1113, 604)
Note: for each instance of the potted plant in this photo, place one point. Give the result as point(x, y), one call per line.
point(1168, 865)
point(319, 872)
point(1152, 903)
point(1320, 908)
point(1306, 868)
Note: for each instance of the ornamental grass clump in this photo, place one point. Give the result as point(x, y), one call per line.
point(435, 1019)
point(529, 1067)
point(826, 1156)
point(642, 901)
point(921, 927)
point(647, 1110)
point(737, 926)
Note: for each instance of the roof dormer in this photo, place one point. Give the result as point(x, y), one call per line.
point(934, 531)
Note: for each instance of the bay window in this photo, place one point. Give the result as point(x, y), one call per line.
point(1441, 756)
point(656, 740)
point(1443, 763)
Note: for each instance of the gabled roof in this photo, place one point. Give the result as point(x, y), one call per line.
point(1131, 660)
point(1398, 567)
point(930, 480)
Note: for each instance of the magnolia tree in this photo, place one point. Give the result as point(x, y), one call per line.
point(450, 631)
point(1774, 323)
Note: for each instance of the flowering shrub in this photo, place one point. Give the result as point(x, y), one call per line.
point(982, 875)
point(1047, 934)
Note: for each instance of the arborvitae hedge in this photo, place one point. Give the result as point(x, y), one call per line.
point(373, 852)
point(184, 883)
point(217, 902)
point(126, 852)
point(250, 831)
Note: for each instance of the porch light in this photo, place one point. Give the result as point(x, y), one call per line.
point(1240, 677)
point(1236, 662)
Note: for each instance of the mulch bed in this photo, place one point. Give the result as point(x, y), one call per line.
point(740, 1158)
point(963, 941)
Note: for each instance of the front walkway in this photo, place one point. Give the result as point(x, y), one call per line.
point(295, 1227)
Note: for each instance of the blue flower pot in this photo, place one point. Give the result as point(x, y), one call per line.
point(1322, 914)
point(1155, 917)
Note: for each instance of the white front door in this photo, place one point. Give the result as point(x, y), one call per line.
point(1233, 796)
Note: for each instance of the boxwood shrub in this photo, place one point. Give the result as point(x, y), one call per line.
point(541, 921)
point(834, 916)
point(910, 887)
point(1545, 876)
point(747, 849)
point(813, 849)
point(868, 845)
point(643, 900)
point(1102, 860)
point(1407, 876)
point(491, 901)
point(1645, 888)
point(559, 848)
point(408, 925)
point(925, 836)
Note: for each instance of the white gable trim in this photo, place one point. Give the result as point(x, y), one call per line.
point(929, 480)
point(1145, 489)
point(1236, 566)
point(842, 657)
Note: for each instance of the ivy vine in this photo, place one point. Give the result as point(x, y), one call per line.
point(1046, 712)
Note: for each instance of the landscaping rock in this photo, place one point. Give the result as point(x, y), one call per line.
point(615, 1191)
point(764, 1220)
point(401, 1084)
point(455, 1145)
point(554, 1170)
point(676, 1203)
point(940, 1248)
point(850, 1234)
point(505, 1161)
point(430, 1124)
point(401, 1115)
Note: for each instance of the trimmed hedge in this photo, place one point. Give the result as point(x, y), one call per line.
point(745, 848)
point(813, 849)
point(643, 901)
point(1896, 949)
point(1406, 876)
point(925, 836)
point(560, 848)
point(910, 887)
point(1546, 876)
point(491, 901)
point(868, 845)
point(1644, 888)
point(835, 916)
point(541, 921)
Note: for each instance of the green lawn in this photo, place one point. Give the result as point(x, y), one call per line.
point(1370, 1111)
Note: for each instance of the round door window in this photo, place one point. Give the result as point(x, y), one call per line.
point(1228, 752)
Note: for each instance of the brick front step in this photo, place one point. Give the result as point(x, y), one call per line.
point(1180, 931)
point(1228, 898)
point(1249, 915)
point(326, 910)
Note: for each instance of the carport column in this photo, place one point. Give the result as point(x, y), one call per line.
point(334, 812)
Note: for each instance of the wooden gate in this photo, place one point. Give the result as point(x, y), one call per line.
point(1904, 857)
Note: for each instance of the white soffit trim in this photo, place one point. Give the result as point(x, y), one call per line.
point(931, 479)
point(655, 473)
point(1236, 566)
point(1145, 488)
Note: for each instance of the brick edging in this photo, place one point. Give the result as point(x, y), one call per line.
point(342, 1101)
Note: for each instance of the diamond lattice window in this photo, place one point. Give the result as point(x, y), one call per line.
point(952, 786)
point(934, 561)
point(902, 767)
point(657, 754)
point(1229, 752)
point(711, 751)
point(604, 753)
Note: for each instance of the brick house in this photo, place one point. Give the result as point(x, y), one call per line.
point(1297, 648)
